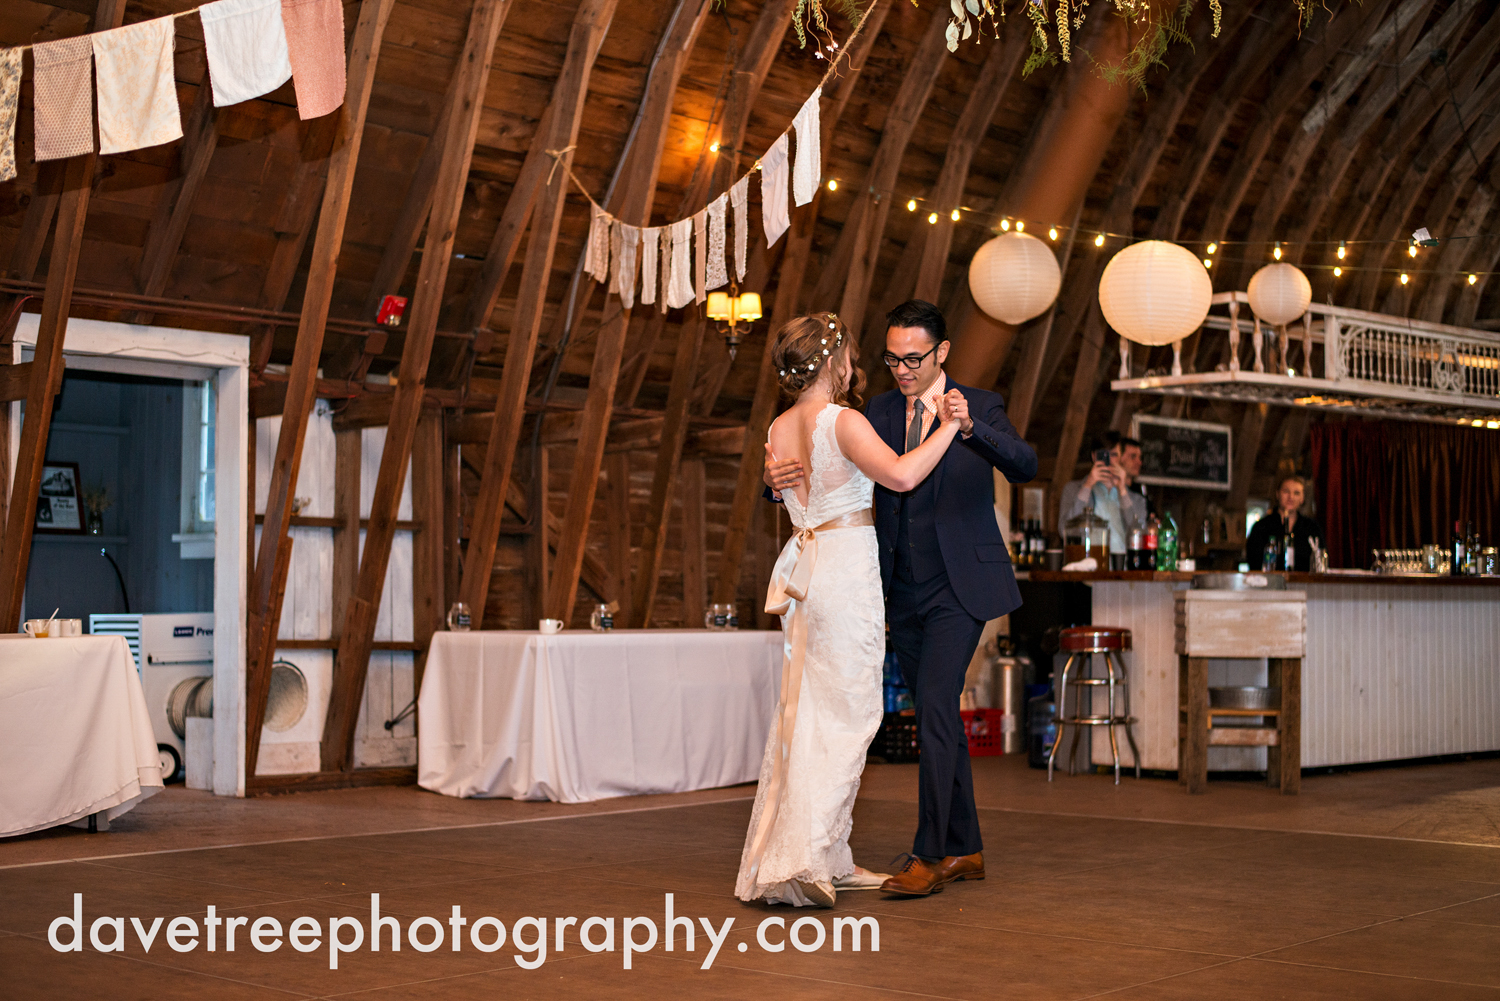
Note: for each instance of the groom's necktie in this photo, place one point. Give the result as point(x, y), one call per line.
point(914, 429)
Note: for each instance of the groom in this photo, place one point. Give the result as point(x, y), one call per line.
point(946, 572)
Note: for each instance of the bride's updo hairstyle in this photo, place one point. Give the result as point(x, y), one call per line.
point(808, 343)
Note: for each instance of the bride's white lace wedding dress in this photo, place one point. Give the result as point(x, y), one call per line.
point(799, 829)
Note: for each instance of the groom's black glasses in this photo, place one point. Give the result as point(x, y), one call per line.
point(911, 362)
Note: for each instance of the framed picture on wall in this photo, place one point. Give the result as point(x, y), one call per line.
point(59, 506)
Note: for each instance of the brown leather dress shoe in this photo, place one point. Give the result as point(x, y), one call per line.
point(916, 879)
point(956, 867)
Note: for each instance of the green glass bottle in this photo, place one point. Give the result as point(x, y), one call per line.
point(1166, 545)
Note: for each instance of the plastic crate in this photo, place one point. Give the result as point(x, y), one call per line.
point(896, 740)
point(985, 730)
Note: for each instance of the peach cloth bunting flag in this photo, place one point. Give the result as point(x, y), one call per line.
point(315, 46)
point(64, 97)
point(137, 86)
point(700, 254)
point(10, 93)
point(246, 43)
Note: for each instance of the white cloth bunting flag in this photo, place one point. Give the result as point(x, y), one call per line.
point(649, 251)
point(629, 240)
point(666, 268)
point(773, 193)
point(616, 248)
point(807, 173)
point(700, 255)
point(137, 86)
point(596, 254)
point(680, 282)
point(717, 274)
point(246, 43)
point(739, 196)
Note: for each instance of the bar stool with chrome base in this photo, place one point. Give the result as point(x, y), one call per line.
point(1085, 641)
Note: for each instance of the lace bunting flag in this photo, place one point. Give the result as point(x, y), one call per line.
point(246, 43)
point(809, 168)
point(596, 252)
point(630, 239)
point(717, 274)
point(700, 255)
point(616, 248)
point(63, 97)
point(773, 185)
point(137, 86)
point(10, 93)
point(680, 284)
point(739, 196)
point(649, 251)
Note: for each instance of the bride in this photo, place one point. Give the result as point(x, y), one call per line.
point(826, 586)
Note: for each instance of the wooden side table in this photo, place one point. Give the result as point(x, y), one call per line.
point(1235, 625)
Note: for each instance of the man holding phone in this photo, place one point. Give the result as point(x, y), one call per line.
point(1107, 490)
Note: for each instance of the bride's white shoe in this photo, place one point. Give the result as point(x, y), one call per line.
point(861, 879)
point(821, 892)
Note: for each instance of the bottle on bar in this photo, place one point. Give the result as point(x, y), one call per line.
point(1458, 567)
point(1135, 550)
point(1166, 543)
point(1471, 550)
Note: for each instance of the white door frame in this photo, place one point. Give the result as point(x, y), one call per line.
point(172, 353)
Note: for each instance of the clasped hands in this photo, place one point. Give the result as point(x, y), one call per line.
point(785, 474)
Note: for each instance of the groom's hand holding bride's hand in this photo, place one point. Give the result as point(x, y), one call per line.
point(952, 406)
point(783, 474)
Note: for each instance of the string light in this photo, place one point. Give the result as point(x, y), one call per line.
point(1099, 240)
point(932, 219)
point(1473, 279)
point(954, 215)
point(1213, 248)
point(713, 147)
point(833, 185)
point(1005, 225)
point(1412, 250)
point(1338, 272)
point(1405, 278)
point(1341, 250)
point(911, 205)
point(1277, 252)
point(1052, 233)
point(1208, 262)
point(1020, 226)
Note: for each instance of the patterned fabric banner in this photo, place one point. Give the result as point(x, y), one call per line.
point(10, 94)
point(64, 97)
point(137, 86)
point(315, 48)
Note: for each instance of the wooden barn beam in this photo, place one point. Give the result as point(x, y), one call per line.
point(749, 76)
point(429, 593)
point(174, 206)
point(1061, 158)
point(47, 363)
point(26, 253)
point(633, 192)
point(984, 100)
point(353, 660)
point(617, 520)
point(268, 583)
point(865, 226)
point(589, 27)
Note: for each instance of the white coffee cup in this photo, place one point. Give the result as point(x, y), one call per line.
point(550, 626)
point(41, 628)
point(69, 627)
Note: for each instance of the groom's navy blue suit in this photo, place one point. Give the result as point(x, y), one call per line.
point(946, 572)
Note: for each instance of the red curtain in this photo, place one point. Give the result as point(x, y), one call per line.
point(1400, 485)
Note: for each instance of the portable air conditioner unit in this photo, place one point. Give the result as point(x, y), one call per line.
point(175, 656)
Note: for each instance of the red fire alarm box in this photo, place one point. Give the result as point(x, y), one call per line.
point(391, 308)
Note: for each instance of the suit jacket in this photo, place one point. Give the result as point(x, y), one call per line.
point(973, 551)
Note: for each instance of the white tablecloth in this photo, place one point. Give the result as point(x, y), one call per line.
point(75, 737)
point(580, 716)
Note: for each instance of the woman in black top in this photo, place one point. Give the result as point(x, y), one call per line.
point(1285, 522)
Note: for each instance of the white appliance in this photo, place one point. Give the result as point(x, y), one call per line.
point(175, 656)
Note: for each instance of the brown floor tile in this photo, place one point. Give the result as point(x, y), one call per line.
point(1412, 947)
point(1257, 980)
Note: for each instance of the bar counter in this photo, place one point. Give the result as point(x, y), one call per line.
point(1397, 666)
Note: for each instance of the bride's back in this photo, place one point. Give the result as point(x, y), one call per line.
point(833, 485)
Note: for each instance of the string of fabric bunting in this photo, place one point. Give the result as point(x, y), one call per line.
point(253, 46)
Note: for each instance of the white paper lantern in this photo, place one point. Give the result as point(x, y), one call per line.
point(1014, 277)
point(1154, 292)
point(1279, 293)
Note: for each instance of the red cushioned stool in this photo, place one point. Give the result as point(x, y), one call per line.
point(1084, 642)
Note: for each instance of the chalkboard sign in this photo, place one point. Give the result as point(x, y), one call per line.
point(1177, 453)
